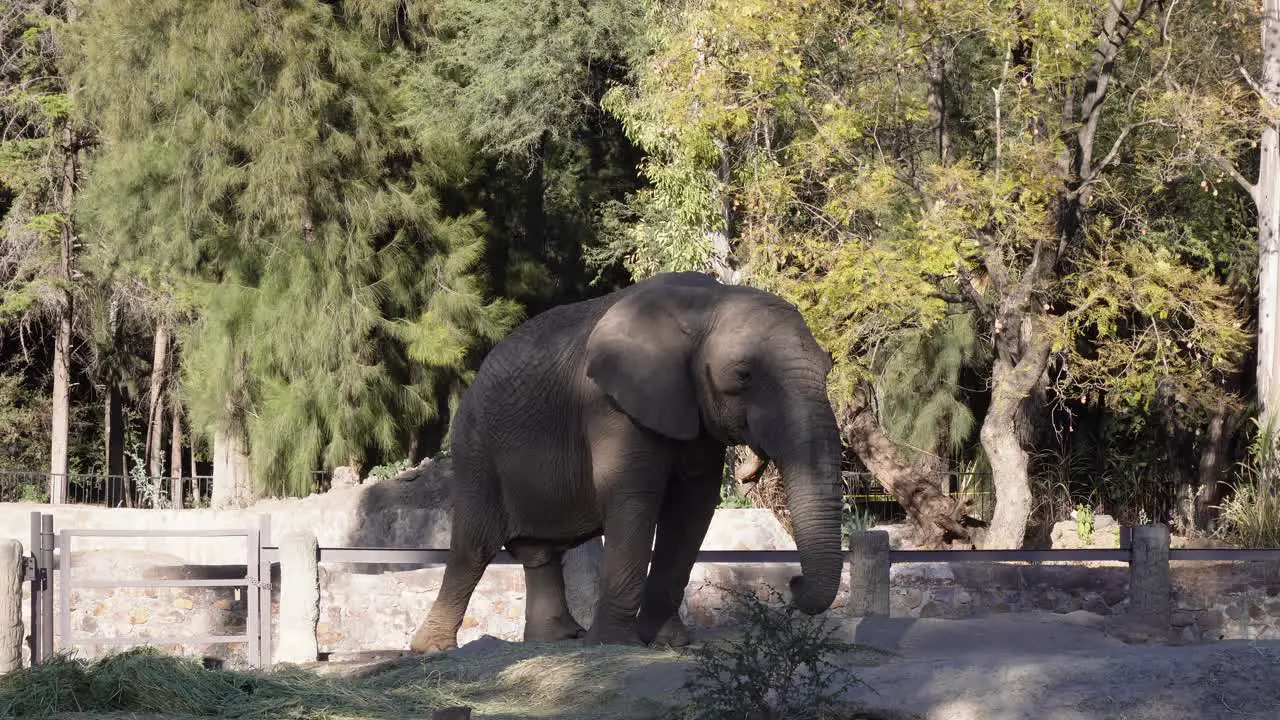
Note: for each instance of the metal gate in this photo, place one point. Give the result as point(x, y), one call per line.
point(52, 552)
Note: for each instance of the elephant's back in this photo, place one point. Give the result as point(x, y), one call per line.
point(545, 342)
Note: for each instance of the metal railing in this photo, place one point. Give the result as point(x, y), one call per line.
point(104, 490)
point(50, 552)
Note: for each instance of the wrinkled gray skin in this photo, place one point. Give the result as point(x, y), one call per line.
point(612, 416)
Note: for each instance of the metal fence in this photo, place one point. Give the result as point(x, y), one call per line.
point(105, 490)
point(51, 553)
point(48, 569)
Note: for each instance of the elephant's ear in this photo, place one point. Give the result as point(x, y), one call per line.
point(639, 355)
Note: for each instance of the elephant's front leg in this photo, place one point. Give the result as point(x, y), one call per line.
point(629, 483)
point(687, 509)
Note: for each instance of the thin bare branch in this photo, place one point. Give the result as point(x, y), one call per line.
point(1229, 168)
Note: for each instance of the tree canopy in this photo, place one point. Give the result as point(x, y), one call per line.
point(1038, 238)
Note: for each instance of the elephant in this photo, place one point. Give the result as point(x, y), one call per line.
point(611, 416)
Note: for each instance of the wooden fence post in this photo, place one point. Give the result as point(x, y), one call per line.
point(299, 598)
point(1149, 590)
point(11, 575)
point(868, 574)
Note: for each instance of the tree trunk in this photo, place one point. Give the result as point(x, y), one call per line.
point(61, 398)
point(1012, 382)
point(937, 516)
point(232, 485)
point(113, 420)
point(175, 456)
point(61, 420)
point(155, 413)
point(1213, 464)
point(1267, 201)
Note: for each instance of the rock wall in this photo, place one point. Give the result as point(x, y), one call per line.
point(1212, 601)
point(381, 612)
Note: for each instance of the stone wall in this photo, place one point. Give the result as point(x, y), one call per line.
point(1212, 601)
point(381, 612)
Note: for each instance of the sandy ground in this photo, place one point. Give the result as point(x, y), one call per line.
point(1056, 667)
point(1025, 666)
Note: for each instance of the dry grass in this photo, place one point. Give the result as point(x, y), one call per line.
point(513, 681)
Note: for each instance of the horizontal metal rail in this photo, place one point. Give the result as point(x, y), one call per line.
point(158, 583)
point(166, 640)
point(155, 533)
point(438, 556)
point(1224, 555)
point(1074, 555)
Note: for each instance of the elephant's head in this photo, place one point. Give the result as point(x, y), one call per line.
point(680, 353)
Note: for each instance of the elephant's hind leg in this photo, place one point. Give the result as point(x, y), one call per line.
point(546, 615)
point(439, 632)
point(479, 530)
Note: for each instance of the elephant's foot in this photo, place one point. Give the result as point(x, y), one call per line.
point(610, 634)
point(427, 642)
point(673, 634)
point(554, 630)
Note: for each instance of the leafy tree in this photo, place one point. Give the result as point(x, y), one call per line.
point(255, 156)
point(515, 86)
point(887, 167)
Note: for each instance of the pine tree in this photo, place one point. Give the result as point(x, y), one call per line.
point(256, 157)
point(40, 153)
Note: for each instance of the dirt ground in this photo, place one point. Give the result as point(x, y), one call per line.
point(1025, 666)
point(1061, 667)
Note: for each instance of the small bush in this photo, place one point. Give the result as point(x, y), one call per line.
point(779, 668)
point(1083, 515)
point(1251, 516)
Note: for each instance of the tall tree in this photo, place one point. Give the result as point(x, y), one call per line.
point(880, 208)
point(42, 168)
point(256, 155)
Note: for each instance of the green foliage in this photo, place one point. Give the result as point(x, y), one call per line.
point(731, 498)
point(512, 73)
point(853, 519)
point(24, 423)
point(1163, 331)
point(781, 667)
point(900, 213)
point(271, 178)
point(922, 402)
point(1251, 514)
point(33, 112)
point(379, 473)
point(1083, 515)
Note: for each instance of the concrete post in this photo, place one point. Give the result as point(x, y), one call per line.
point(1149, 592)
point(299, 598)
point(10, 605)
point(868, 574)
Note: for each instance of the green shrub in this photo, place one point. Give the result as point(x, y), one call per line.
point(780, 668)
point(1084, 523)
point(1251, 515)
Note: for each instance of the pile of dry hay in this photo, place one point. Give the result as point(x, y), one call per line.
point(513, 681)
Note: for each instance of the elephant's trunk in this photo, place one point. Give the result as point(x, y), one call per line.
point(808, 457)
